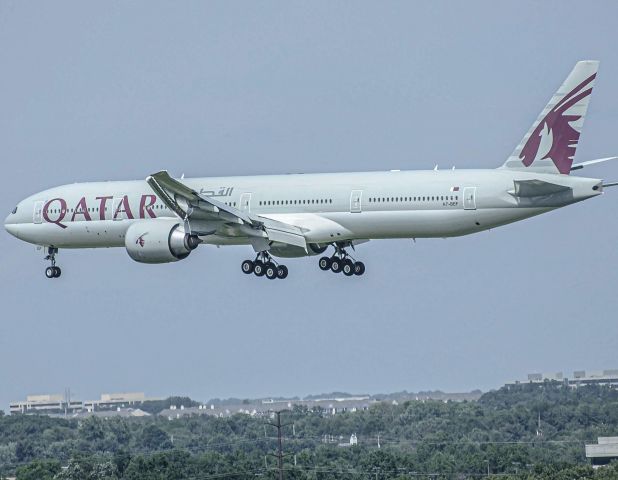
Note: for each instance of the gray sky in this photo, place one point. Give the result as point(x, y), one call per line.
point(118, 90)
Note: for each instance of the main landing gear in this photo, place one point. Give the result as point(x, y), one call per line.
point(342, 261)
point(264, 266)
point(53, 271)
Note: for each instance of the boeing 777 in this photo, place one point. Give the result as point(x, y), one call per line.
point(162, 219)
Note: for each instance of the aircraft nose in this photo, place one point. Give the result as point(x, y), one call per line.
point(9, 226)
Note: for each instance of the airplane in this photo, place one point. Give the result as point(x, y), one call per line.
point(163, 219)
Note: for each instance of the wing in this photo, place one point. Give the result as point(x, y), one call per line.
point(205, 215)
point(189, 204)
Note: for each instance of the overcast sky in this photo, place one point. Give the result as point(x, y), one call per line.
point(118, 90)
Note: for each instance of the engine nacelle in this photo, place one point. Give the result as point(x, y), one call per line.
point(159, 241)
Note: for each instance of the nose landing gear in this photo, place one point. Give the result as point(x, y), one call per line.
point(342, 261)
point(264, 266)
point(53, 271)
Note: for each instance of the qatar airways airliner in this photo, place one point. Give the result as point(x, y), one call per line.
point(163, 219)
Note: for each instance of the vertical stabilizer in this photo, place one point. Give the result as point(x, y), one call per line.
point(550, 144)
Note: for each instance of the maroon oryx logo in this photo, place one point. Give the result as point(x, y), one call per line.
point(140, 240)
point(557, 123)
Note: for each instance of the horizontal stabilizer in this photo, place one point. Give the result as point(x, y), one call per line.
point(536, 188)
point(578, 166)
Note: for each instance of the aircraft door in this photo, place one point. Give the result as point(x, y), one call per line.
point(469, 198)
point(245, 202)
point(37, 214)
point(356, 198)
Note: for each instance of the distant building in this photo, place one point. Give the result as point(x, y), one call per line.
point(603, 452)
point(48, 403)
point(118, 412)
point(116, 400)
point(580, 378)
point(54, 404)
point(604, 377)
point(353, 441)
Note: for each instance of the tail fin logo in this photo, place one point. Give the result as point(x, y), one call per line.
point(555, 132)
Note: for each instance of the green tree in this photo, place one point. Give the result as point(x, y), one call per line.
point(38, 470)
point(154, 438)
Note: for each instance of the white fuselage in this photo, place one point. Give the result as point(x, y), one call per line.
point(327, 207)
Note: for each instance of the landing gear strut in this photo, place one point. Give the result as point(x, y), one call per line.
point(53, 271)
point(341, 261)
point(264, 266)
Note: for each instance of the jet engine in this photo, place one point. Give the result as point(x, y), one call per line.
point(159, 241)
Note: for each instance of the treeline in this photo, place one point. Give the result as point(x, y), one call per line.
point(499, 434)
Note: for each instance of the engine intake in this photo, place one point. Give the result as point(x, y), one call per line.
point(159, 241)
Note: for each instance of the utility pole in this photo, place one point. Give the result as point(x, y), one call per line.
point(280, 443)
point(279, 426)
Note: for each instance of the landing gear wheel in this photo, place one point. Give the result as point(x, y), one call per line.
point(336, 265)
point(359, 268)
point(247, 266)
point(52, 271)
point(271, 271)
point(348, 267)
point(324, 263)
point(259, 268)
point(282, 272)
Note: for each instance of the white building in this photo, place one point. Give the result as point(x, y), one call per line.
point(580, 378)
point(603, 452)
point(47, 403)
point(115, 400)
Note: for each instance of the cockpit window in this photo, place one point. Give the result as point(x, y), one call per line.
point(14, 211)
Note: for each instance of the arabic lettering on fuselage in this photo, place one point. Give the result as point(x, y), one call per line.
point(221, 192)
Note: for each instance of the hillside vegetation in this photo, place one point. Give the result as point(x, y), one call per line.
point(499, 433)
